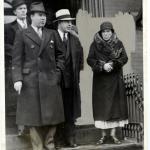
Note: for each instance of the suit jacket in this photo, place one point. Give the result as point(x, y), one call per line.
point(38, 64)
point(76, 54)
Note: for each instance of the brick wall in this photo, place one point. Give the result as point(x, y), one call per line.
point(137, 56)
point(111, 7)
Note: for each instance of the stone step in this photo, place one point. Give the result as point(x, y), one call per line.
point(84, 135)
point(125, 145)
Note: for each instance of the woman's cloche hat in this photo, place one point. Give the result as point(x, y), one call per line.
point(106, 25)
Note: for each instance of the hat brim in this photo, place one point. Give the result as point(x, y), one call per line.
point(30, 12)
point(64, 19)
point(19, 4)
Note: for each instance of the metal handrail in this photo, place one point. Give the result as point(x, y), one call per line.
point(134, 92)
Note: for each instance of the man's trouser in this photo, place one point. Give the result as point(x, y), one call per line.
point(41, 140)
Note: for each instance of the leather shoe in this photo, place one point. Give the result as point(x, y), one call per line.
point(102, 140)
point(115, 140)
point(71, 143)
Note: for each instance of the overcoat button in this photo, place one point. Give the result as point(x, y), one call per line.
point(32, 46)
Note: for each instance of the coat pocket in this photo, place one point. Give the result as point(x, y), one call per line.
point(26, 71)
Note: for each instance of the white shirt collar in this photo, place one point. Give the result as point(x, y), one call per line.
point(62, 34)
point(21, 22)
point(35, 28)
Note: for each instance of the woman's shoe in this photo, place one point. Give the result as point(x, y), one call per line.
point(101, 141)
point(115, 140)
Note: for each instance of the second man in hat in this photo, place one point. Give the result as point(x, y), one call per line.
point(71, 75)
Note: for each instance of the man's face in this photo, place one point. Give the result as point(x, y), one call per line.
point(21, 11)
point(65, 26)
point(38, 19)
point(106, 34)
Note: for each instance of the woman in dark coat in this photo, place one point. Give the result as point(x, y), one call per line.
point(106, 57)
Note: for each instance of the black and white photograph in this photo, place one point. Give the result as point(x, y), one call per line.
point(73, 75)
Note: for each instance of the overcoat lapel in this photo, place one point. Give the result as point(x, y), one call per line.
point(15, 26)
point(44, 40)
point(71, 42)
point(67, 53)
point(33, 35)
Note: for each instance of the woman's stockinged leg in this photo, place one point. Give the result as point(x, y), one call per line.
point(113, 136)
point(103, 132)
point(103, 138)
point(113, 132)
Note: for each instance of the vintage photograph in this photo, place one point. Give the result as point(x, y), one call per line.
point(74, 74)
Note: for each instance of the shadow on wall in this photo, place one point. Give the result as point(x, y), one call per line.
point(124, 26)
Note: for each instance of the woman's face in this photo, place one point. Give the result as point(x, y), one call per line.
point(106, 34)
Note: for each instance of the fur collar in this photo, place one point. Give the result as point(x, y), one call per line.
point(113, 40)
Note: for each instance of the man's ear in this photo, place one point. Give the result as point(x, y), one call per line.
point(31, 15)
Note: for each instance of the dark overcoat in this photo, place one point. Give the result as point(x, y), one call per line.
point(38, 64)
point(77, 64)
point(10, 32)
point(109, 99)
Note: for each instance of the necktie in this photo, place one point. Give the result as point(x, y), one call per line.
point(65, 40)
point(39, 32)
point(24, 25)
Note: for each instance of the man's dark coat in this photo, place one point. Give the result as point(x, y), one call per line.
point(76, 55)
point(38, 64)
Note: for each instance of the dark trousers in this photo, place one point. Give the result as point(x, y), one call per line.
point(66, 132)
point(69, 125)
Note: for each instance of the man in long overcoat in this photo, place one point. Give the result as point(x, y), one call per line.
point(21, 22)
point(71, 74)
point(37, 63)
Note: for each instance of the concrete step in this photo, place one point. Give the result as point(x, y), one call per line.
point(15, 142)
point(84, 135)
point(125, 145)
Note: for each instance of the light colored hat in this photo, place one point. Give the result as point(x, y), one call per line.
point(63, 14)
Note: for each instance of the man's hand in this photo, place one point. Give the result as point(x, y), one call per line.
point(18, 86)
point(73, 30)
point(108, 67)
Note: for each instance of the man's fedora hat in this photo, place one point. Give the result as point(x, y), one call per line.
point(64, 15)
point(37, 7)
point(17, 3)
